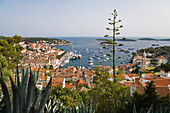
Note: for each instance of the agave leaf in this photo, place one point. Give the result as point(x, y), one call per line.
point(134, 109)
point(23, 89)
point(38, 73)
point(161, 109)
point(166, 110)
point(45, 95)
point(17, 81)
point(16, 97)
point(35, 75)
point(63, 110)
point(39, 97)
point(150, 109)
point(141, 111)
point(1, 73)
point(23, 74)
point(6, 96)
point(35, 88)
point(30, 93)
point(74, 109)
point(54, 108)
point(157, 109)
point(82, 108)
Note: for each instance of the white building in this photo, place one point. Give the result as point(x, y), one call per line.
point(161, 60)
point(164, 74)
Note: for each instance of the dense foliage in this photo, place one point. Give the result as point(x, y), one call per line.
point(67, 96)
point(10, 54)
point(145, 101)
point(166, 67)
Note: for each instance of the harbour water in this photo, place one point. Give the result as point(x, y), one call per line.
point(87, 47)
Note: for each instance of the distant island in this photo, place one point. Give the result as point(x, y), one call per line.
point(116, 40)
point(105, 42)
point(50, 41)
point(152, 39)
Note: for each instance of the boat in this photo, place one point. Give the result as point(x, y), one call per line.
point(107, 58)
point(66, 61)
point(90, 61)
point(101, 61)
point(73, 58)
point(87, 50)
point(98, 58)
point(93, 56)
point(90, 64)
point(126, 51)
point(79, 55)
point(104, 60)
point(130, 48)
point(90, 58)
point(100, 51)
point(155, 44)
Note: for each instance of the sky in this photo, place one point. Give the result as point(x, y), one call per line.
point(79, 18)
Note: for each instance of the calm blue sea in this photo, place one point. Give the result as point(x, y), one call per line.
point(87, 47)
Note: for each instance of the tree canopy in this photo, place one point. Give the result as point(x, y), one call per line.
point(11, 52)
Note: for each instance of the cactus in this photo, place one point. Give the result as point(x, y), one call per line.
point(25, 93)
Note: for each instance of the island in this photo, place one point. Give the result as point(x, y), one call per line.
point(116, 40)
point(106, 42)
point(49, 41)
point(153, 39)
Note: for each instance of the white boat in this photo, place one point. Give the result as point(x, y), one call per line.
point(79, 56)
point(66, 61)
point(104, 56)
point(107, 58)
point(90, 58)
point(90, 61)
point(91, 64)
point(98, 58)
point(104, 60)
point(93, 56)
point(87, 50)
point(101, 61)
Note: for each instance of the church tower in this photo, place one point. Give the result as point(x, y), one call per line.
point(143, 61)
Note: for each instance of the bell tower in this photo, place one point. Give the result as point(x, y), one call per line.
point(143, 61)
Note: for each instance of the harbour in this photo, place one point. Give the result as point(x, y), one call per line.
point(92, 53)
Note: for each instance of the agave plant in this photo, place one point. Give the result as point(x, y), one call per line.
point(55, 106)
point(159, 109)
point(25, 96)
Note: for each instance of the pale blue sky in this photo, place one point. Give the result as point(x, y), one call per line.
point(58, 18)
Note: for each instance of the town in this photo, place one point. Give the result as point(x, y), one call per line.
point(136, 75)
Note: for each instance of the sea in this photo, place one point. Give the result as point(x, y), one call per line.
point(87, 47)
